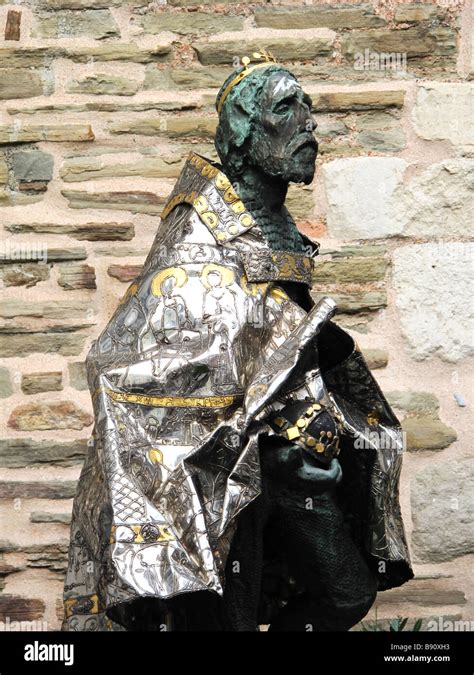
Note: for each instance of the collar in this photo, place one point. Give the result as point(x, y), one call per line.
point(208, 190)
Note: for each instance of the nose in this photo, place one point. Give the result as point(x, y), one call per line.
point(308, 120)
point(310, 124)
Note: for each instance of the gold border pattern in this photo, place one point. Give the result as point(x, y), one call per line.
point(222, 232)
point(173, 401)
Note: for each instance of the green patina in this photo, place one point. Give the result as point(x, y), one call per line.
point(242, 135)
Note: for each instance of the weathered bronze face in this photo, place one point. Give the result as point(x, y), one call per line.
point(266, 125)
point(282, 143)
point(265, 141)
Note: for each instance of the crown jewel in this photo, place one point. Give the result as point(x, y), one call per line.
point(266, 59)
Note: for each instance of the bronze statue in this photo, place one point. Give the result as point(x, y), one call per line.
point(245, 463)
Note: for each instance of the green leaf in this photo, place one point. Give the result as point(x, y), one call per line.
point(418, 624)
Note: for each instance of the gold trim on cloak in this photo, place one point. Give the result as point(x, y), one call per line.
point(173, 401)
point(241, 220)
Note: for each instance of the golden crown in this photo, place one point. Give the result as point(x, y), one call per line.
point(268, 60)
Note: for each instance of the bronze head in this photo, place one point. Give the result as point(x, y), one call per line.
point(265, 122)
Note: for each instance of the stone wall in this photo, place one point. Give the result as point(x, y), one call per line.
point(101, 101)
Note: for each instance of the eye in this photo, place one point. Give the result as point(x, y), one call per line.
point(284, 105)
point(282, 108)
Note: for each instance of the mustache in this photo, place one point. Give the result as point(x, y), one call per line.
point(309, 142)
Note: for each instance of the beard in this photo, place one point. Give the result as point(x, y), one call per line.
point(303, 163)
point(292, 165)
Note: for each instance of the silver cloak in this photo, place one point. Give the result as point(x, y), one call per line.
point(204, 345)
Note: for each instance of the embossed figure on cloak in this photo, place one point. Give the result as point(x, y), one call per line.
point(239, 472)
point(170, 316)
